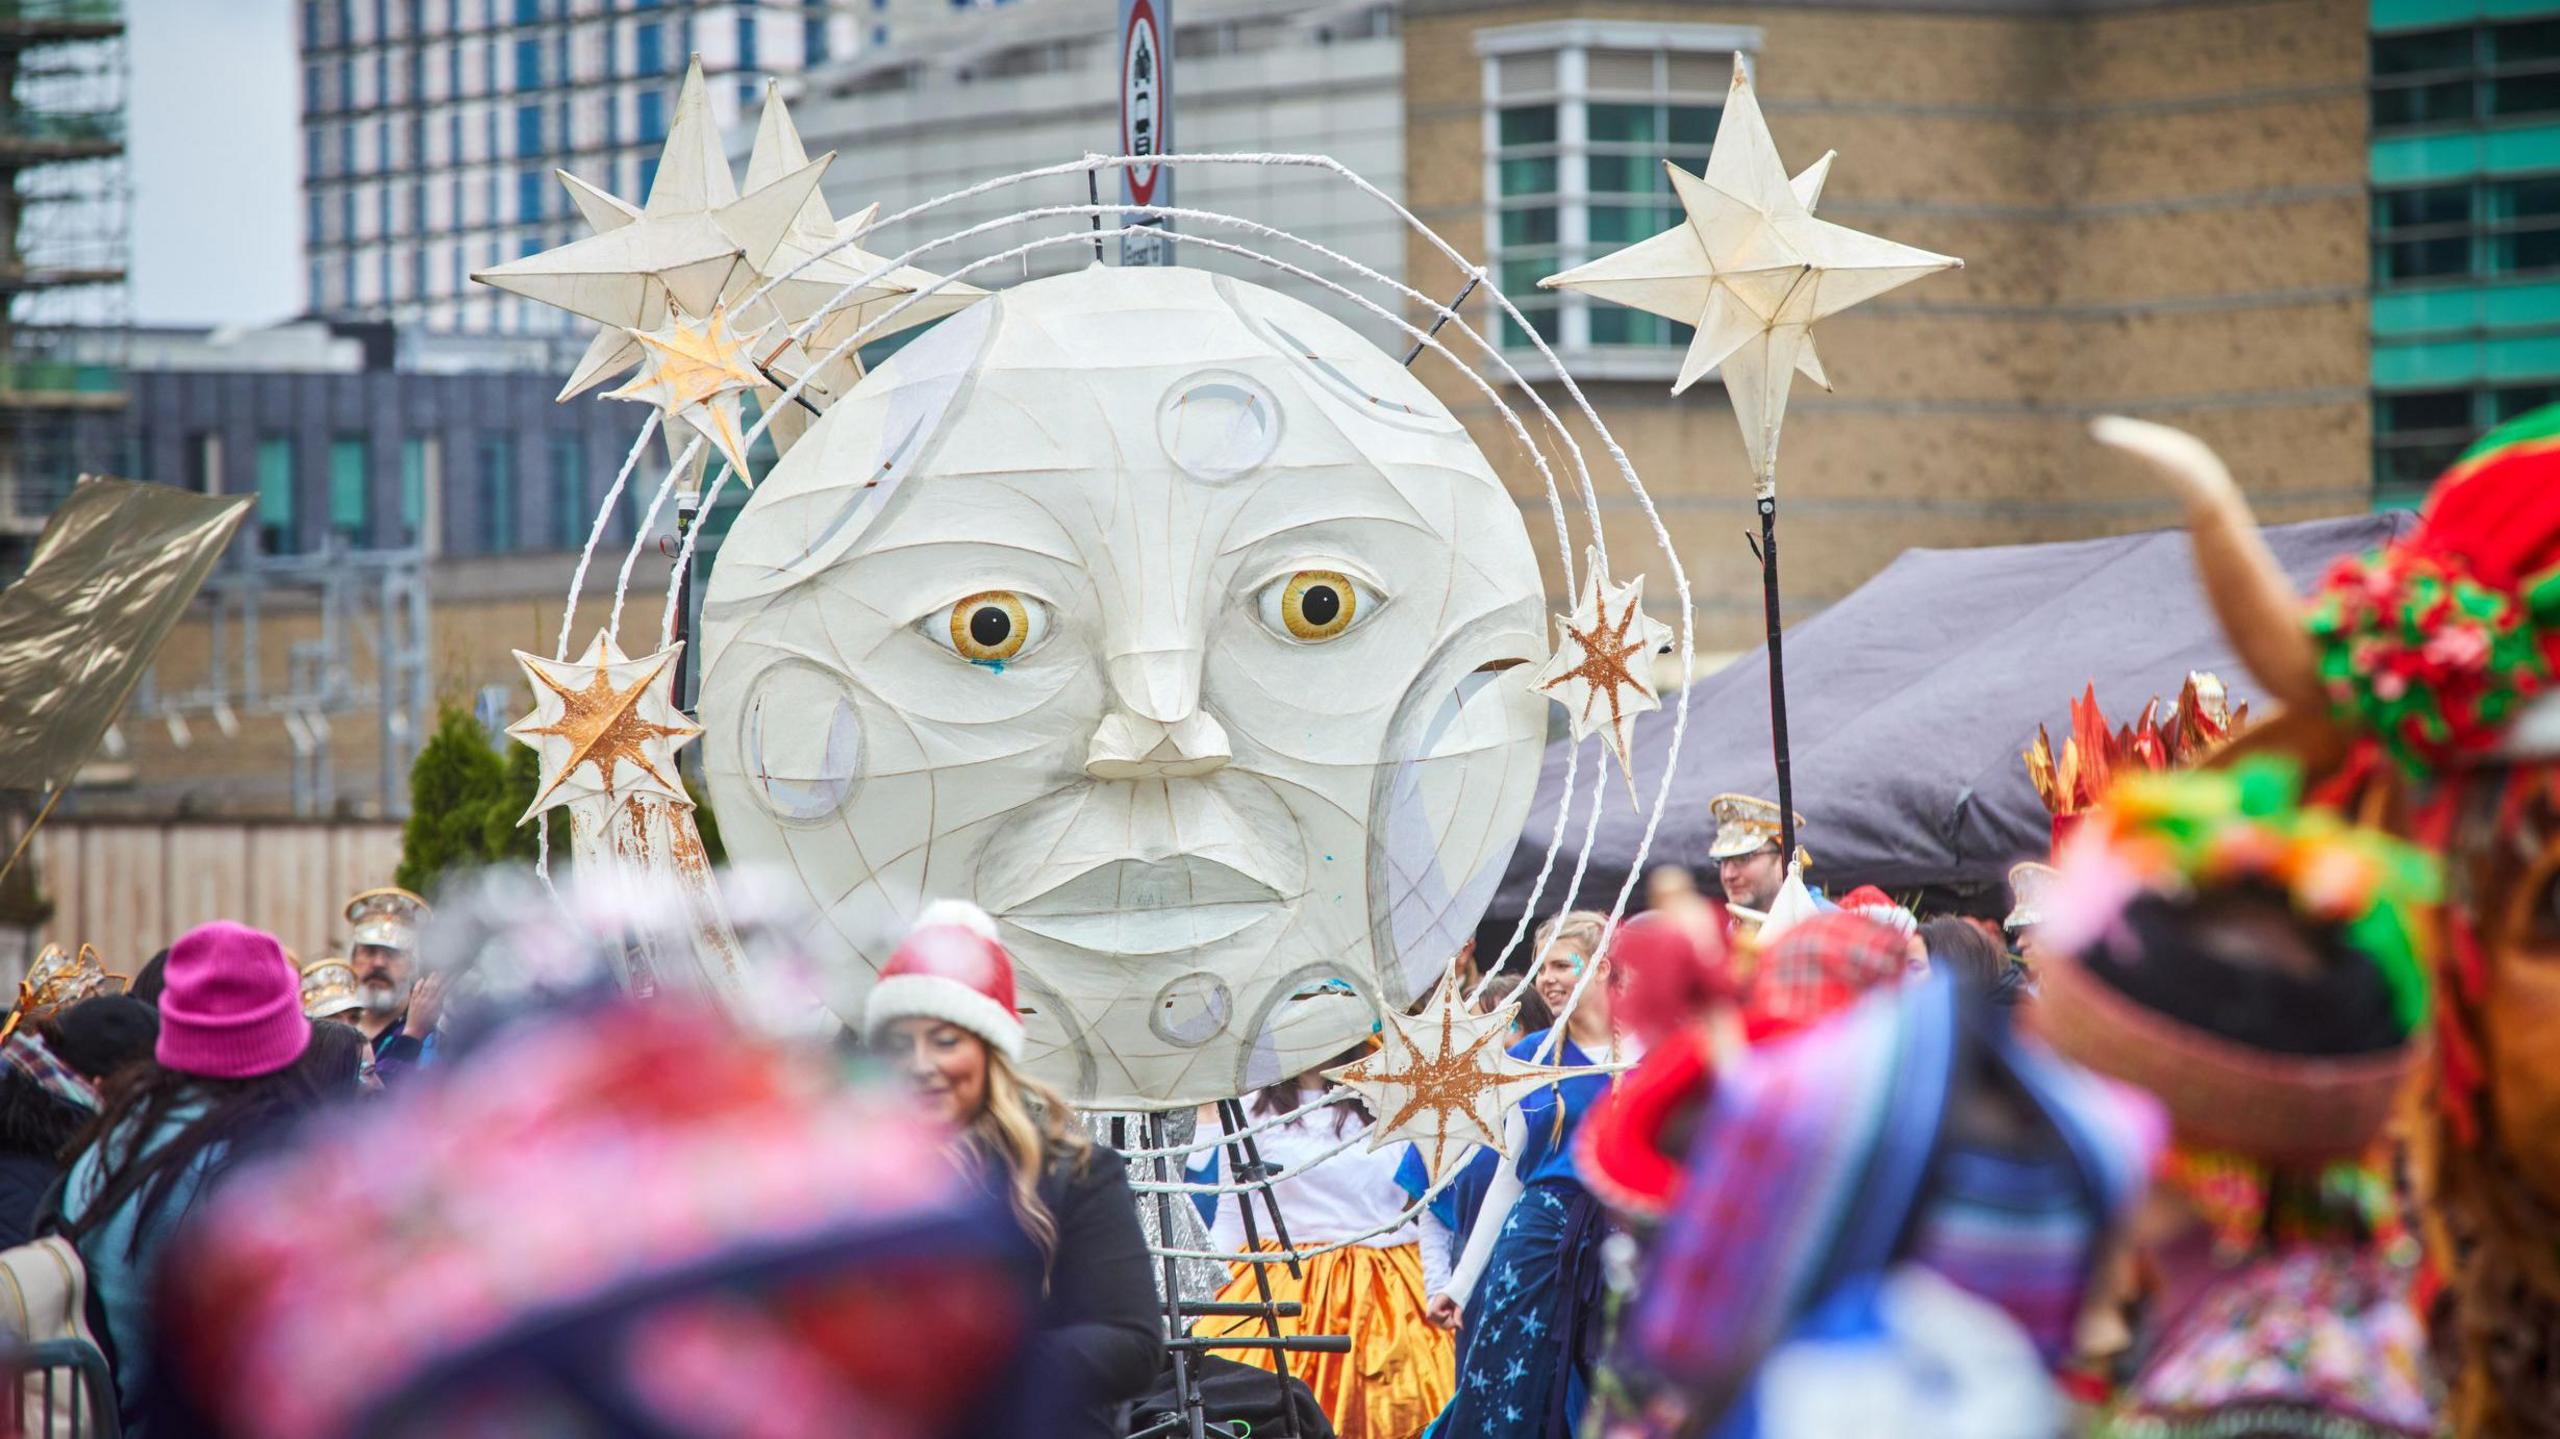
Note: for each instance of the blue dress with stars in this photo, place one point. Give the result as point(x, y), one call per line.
point(1532, 1326)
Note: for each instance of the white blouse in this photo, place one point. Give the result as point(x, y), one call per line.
point(1322, 1202)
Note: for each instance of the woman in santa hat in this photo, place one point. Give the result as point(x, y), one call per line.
point(943, 1013)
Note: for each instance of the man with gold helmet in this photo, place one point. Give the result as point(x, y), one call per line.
point(399, 1013)
point(1746, 850)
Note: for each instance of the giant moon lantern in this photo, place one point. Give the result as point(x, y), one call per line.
point(1171, 622)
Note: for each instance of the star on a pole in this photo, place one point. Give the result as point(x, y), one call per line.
point(1603, 657)
point(604, 726)
point(695, 373)
point(1441, 1079)
point(1753, 270)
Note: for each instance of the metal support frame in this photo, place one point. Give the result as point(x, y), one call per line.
point(1246, 1166)
point(372, 608)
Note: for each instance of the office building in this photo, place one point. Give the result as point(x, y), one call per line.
point(2465, 164)
point(962, 98)
point(431, 127)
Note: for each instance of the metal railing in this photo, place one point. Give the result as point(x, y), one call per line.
point(66, 1392)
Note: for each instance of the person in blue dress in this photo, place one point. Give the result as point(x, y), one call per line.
point(1526, 1294)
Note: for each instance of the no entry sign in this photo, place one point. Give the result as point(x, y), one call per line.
point(1146, 122)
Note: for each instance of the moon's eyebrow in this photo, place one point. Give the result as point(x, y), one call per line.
point(936, 521)
point(1366, 506)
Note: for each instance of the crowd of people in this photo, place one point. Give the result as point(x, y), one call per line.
point(1798, 1168)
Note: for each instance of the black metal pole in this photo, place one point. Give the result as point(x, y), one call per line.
point(1777, 679)
point(1244, 1162)
point(1416, 352)
point(685, 515)
point(1186, 1390)
point(1093, 192)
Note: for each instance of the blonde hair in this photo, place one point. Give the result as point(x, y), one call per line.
point(1024, 1127)
point(1579, 930)
point(1575, 929)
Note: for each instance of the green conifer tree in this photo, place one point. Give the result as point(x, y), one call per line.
point(456, 779)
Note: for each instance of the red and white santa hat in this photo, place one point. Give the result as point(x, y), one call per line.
point(950, 967)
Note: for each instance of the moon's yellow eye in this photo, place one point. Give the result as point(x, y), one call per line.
point(1313, 605)
point(992, 625)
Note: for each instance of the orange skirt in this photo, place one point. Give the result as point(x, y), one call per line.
point(1401, 1369)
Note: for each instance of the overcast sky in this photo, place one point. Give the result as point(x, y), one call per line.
point(215, 141)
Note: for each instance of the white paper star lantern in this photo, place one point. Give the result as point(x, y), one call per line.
point(1753, 270)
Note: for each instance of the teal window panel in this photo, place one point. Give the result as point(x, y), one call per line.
point(2421, 14)
point(2521, 357)
point(2520, 151)
point(2440, 364)
point(275, 495)
point(2466, 307)
point(349, 505)
point(2417, 159)
point(2437, 364)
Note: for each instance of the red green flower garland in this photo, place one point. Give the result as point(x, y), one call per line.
point(2426, 658)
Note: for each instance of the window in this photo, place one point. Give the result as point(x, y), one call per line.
point(348, 504)
point(648, 176)
point(2466, 75)
point(653, 115)
point(528, 129)
point(2484, 229)
point(528, 65)
point(2418, 434)
point(649, 49)
point(497, 493)
point(1579, 116)
point(275, 495)
point(813, 42)
point(203, 459)
point(570, 516)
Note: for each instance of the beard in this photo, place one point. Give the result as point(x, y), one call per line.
point(382, 998)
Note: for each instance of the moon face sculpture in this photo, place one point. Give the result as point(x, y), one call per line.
point(1172, 623)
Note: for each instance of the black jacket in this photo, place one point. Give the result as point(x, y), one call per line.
point(24, 1180)
point(1101, 1325)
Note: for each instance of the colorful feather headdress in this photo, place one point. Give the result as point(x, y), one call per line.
point(2093, 754)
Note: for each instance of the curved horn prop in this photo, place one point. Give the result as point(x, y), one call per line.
point(2256, 604)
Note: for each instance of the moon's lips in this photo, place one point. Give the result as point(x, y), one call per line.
point(1131, 906)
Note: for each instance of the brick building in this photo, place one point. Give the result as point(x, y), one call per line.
point(2162, 209)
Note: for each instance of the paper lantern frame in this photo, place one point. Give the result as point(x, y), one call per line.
point(1088, 224)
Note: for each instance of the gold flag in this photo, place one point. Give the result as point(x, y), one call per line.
point(112, 572)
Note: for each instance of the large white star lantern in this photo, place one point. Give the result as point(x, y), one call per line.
point(1753, 270)
point(1602, 670)
point(700, 246)
point(1440, 1080)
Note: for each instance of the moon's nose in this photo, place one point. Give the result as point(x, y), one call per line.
point(1126, 746)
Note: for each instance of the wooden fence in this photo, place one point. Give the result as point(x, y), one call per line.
point(129, 887)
